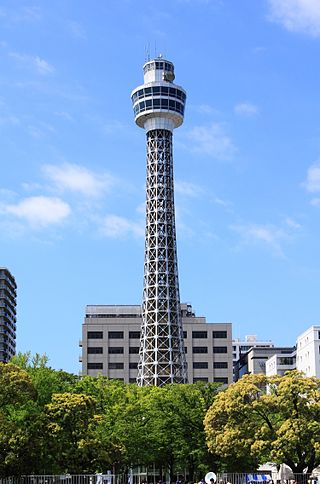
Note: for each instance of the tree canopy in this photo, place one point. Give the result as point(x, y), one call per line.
point(55, 422)
point(64, 423)
point(260, 419)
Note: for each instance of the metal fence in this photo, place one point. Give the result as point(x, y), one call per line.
point(153, 478)
point(267, 478)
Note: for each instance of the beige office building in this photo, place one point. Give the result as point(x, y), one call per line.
point(111, 338)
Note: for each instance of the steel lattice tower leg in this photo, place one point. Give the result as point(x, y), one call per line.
point(159, 108)
point(162, 357)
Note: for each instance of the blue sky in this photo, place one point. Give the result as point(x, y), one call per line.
point(246, 161)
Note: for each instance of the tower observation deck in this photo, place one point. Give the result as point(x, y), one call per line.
point(158, 107)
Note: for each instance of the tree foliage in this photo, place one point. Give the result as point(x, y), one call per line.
point(260, 419)
point(55, 422)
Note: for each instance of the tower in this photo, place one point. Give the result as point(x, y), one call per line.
point(7, 315)
point(158, 107)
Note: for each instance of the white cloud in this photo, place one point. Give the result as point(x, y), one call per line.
point(116, 227)
point(187, 188)
point(77, 30)
point(78, 179)
point(203, 108)
point(290, 222)
point(315, 202)
point(212, 141)
point(39, 211)
point(268, 235)
point(64, 115)
point(297, 15)
point(41, 130)
point(223, 203)
point(41, 66)
point(312, 183)
point(246, 109)
point(10, 120)
point(114, 126)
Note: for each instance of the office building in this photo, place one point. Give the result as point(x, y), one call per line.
point(254, 361)
point(8, 297)
point(111, 341)
point(278, 364)
point(240, 347)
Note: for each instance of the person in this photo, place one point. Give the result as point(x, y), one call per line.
point(212, 480)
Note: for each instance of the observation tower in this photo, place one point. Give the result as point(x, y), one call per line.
point(158, 107)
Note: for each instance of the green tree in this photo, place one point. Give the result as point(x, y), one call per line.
point(70, 425)
point(247, 425)
point(17, 396)
point(45, 379)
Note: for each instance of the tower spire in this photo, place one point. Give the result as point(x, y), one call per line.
point(158, 107)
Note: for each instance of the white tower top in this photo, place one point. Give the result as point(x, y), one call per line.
point(158, 103)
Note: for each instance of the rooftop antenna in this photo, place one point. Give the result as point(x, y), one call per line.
point(147, 52)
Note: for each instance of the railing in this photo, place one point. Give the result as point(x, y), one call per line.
point(153, 478)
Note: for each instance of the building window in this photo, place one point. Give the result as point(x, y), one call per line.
point(199, 349)
point(134, 334)
point(200, 364)
point(132, 380)
point(95, 334)
point(95, 350)
point(115, 334)
point(115, 350)
point(200, 334)
point(219, 334)
point(220, 349)
point(185, 349)
point(220, 364)
point(115, 366)
point(221, 379)
point(95, 366)
point(133, 350)
point(133, 366)
point(185, 334)
point(200, 378)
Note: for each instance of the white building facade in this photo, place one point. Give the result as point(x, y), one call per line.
point(308, 352)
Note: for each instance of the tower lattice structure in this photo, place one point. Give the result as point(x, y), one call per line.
point(158, 107)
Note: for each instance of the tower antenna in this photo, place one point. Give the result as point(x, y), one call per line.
point(147, 52)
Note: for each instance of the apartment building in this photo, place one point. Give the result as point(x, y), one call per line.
point(308, 351)
point(8, 297)
point(111, 340)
